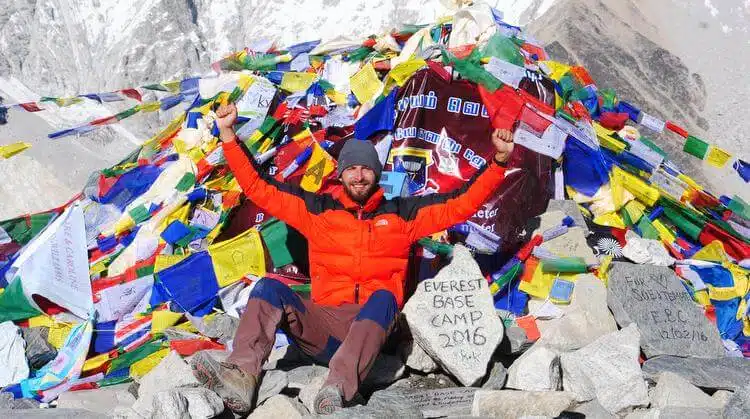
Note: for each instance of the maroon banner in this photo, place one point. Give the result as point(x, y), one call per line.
point(442, 138)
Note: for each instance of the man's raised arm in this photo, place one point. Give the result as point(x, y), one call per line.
point(285, 202)
point(433, 213)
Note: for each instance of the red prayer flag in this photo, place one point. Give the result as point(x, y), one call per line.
point(132, 93)
point(682, 132)
point(30, 107)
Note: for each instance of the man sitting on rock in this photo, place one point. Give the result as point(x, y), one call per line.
point(359, 245)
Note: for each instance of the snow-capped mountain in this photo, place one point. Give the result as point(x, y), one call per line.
point(65, 47)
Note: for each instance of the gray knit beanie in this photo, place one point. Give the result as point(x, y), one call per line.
point(359, 152)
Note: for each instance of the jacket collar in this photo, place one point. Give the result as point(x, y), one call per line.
point(371, 205)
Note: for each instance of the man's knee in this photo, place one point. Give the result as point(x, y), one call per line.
point(276, 293)
point(381, 308)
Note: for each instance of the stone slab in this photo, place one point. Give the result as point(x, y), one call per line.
point(441, 402)
point(669, 321)
point(452, 317)
point(720, 374)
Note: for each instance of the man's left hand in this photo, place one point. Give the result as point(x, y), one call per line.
point(502, 139)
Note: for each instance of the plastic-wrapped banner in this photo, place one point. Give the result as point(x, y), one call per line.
point(442, 137)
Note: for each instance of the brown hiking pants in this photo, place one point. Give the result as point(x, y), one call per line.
point(348, 338)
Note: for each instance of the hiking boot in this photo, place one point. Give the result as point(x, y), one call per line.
point(328, 400)
point(233, 385)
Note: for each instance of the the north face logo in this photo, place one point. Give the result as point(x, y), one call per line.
point(381, 223)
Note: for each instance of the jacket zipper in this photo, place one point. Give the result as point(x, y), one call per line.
point(359, 262)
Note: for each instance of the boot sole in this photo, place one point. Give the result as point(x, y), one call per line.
point(206, 371)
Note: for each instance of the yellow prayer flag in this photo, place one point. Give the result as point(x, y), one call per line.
point(664, 234)
point(702, 298)
point(541, 283)
point(10, 150)
point(67, 101)
point(611, 219)
point(365, 84)
point(554, 69)
point(142, 367)
point(237, 257)
point(173, 86)
point(717, 157)
point(42, 320)
point(319, 166)
point(607, 141)
point(58, 332)
point(149, 106)
point(635, 210)
point(95, 362)
point(165, 261)
point(162, 319)
point(713, 252)
point(293, 81)
point(642, 191)
point(404, 70)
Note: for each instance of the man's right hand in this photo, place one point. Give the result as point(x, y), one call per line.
point(226, 116)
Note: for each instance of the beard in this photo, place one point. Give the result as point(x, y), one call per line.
point(359, 192)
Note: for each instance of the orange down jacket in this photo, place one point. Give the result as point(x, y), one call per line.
point(355, 249)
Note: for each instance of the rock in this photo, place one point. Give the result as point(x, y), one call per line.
point(719, 374)
point(569, 208)
point(308, 392)
point(738, 405)
point(515, 341)
point(287, 358)
point(669, 321)
point(386, 370)
point(8, 402)
point(538, 369)
point(675, 413)
point(429, 382)
point(220, 326)
point(593, 410)
point(607, 370)
point(49, 413)
point(573, 243)
point(452, 317)
point(172, 372)
point(273, 383)
point(516, 404)
point(279, 406)
point(193, 403)
point(722, 396)
point(382, 404)
point(103, 400)
point(38, 350)
point(417, 359)
point(674, 391)
point(497, 378)
point(454, 401)
point(304, 375)
point(584, 320)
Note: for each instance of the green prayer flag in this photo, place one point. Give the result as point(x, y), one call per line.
point(696, 147)
point(14, 305)
point(187, 181)
point(127, 113)
point(274, 233)
point(129, 358)
point(648, 231)
point(139, 214)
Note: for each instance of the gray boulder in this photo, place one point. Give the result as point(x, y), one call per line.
point(279, 406)
point(715, 374)
point(674, 391)
point(273, 382)
point(516, 404)
point(607, 370)
point(538, 369)
point(738, 405)
point(187, 403)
